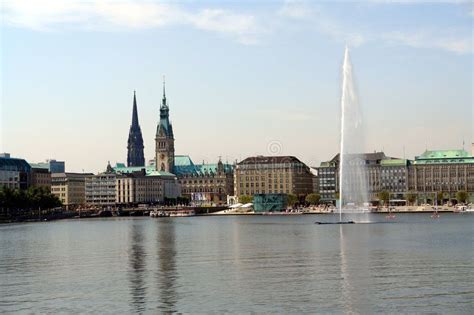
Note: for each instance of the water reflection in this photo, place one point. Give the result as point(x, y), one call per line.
point(137, 266)
point(354, 270)
point(166, 275)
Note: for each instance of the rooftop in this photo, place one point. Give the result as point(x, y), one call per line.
point(444, 156)
point(183, 165)
point(260, 159)
point(375, 156)
point(14, 164)
point(149, 170)
point(394, 162)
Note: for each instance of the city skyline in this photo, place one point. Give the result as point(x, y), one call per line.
point(72, 99)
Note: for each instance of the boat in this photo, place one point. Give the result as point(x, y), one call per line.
point(159, 214)
point(182, 213)
point(341, 222)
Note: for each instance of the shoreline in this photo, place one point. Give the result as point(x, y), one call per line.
point(76, 216)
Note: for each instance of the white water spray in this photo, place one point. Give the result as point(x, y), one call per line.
point(353, 189)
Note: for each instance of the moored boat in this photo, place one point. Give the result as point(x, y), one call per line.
point(182, 213)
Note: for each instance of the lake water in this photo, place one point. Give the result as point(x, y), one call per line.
point(270, 264)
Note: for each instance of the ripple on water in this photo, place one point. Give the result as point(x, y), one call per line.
point(237, 264)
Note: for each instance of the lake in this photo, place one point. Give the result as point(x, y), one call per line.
point(239, 264)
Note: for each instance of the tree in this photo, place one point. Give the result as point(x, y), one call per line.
point(439, 197)
point(461, 196)
point(245, 199)
point(410, 197)
point(384, 196)
point(32, 198)
point(292, 200)
point(313, 199)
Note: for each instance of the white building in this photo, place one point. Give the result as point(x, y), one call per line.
point(101, 189)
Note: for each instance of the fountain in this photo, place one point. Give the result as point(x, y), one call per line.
point(353, 188)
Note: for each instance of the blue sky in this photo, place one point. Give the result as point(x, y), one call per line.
point(243, 78)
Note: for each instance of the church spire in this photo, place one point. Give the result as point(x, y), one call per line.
point(135, 111)
point(135, 156)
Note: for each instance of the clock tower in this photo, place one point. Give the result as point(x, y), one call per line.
point(164, 141)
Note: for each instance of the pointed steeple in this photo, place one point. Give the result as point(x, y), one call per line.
point(164, 141)
point(135, 156)
point(163, 101)
point(109, 169)
point(135, 111)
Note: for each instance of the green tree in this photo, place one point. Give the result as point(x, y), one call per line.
point(292, 200)
point(439, 197)
point(245, 199)
point(32, 198)
point(313, 199)
point(461, 196)
point(410, 197)
point(384, 196)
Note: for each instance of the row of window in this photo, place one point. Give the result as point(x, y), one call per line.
point(201, 181)
point(203, 189)
point(263, 191)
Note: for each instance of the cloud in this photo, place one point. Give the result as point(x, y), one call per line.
point(353, 35)
point(425, 39)
point(110, 15)
point(243, 26)
point(295, 9)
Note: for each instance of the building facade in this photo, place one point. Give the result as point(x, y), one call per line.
point(164, 141)
point(374, 165)
point(14, 173)
point(135, 156)
point(272, 175)
point(100, 189)
point(70, 188)
point(136, 185)
point(394, 177)
point(442, 171)
point(40, 177)
point(204, 183)
point(328, 176)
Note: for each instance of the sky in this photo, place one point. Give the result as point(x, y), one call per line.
point(243, 78)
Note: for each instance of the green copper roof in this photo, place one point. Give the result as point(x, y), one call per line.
point(40, 165)
point(444, 156)
point(183, 165)
point(394, 162)
point(159, 173)
point(183, 160)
